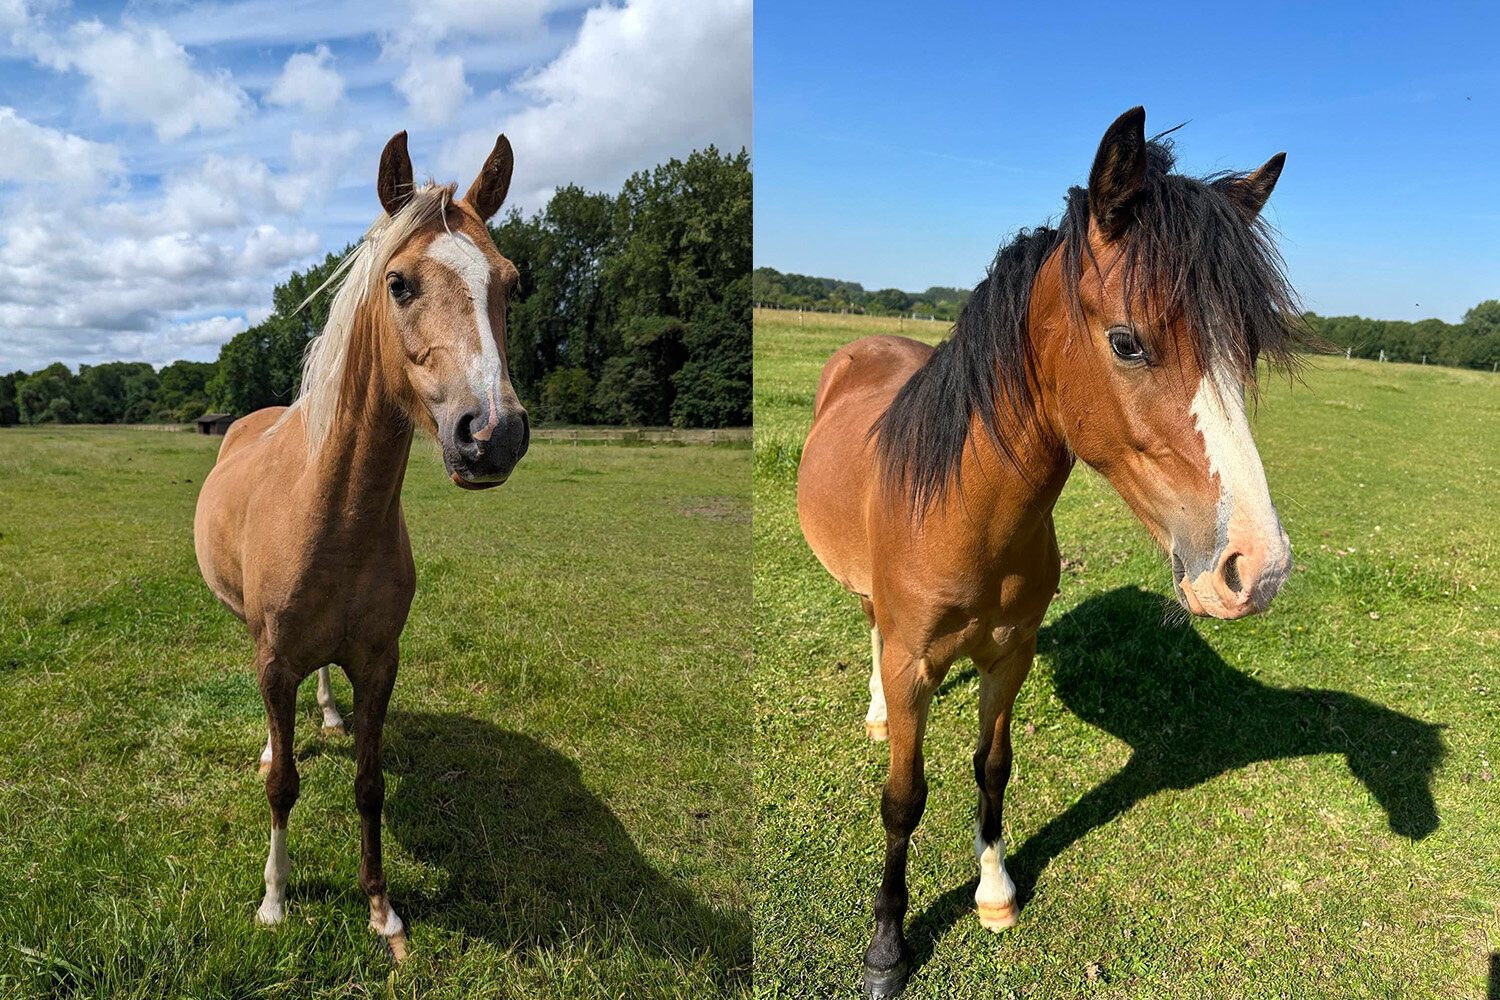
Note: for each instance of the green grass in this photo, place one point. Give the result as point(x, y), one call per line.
point(1300, 804)
point(567, 756)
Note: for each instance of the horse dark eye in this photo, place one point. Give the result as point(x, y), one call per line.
point(400, 290)
point(1126, 345)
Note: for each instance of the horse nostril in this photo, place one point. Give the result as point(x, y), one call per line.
point(463, 436)
point(1232, 573)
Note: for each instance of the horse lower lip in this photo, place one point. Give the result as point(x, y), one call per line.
point(460, 481)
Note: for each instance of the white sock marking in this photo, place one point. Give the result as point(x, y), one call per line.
point(273, 907)
point(877, 689)
point(331, 717)
point(995, 887)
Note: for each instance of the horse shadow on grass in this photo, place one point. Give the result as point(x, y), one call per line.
point(530, 857)
point(1189, 717)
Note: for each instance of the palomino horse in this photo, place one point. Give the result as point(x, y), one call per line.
point(299, 528)
point(1125, 337)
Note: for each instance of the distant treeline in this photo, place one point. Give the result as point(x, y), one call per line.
point(631, 309)
point(1472, 343)
point(798, 291)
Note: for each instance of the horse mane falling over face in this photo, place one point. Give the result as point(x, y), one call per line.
point(1200, 287)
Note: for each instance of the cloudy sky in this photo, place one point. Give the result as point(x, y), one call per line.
point(165, 163)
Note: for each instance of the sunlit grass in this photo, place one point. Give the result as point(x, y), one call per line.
point(1301, 804)
point(568, 752)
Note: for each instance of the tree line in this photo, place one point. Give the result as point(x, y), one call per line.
point(1472, 343)
point(632, 308)
point(799, 291)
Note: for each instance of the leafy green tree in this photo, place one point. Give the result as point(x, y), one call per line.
point(9, 414)
point(567, 396)
point(35, 393)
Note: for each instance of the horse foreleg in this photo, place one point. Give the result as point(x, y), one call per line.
point(333, 722)
point(999, 681)
point(875, 724)
point(908, 689)
point(278, 688)
point(372, 696)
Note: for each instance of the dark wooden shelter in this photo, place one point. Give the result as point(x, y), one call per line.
point(214, 423)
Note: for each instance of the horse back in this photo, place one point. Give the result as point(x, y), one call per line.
point(248, 428)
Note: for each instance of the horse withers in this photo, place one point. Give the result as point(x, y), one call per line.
point(1127, 337)
point(299, 528)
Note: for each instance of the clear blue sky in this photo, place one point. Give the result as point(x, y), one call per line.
point(897, 144)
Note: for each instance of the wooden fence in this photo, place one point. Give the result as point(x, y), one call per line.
point(648, 435)
point(598, 435)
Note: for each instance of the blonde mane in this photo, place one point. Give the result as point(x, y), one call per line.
point(362, 272)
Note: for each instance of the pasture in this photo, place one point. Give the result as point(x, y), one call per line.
point(1299, 804)
point(567, 755)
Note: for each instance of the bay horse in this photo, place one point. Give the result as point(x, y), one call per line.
point(299, 528)
point(1126, 337)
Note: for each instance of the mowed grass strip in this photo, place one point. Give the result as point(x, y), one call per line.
point(1299, 804)
point(567, 755)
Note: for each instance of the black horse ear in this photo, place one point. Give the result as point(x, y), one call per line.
point(394, 184)
point(488, 191)
point(1119, 172)
point(1251, 192)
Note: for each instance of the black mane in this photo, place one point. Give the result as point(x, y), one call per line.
point(1188, 247)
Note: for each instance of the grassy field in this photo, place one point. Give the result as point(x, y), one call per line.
point(1300, 804)
point(567, 756)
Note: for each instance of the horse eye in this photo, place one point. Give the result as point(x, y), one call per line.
point(400, 290)
point(1126, 345)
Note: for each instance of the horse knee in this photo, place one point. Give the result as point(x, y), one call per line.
point(283, 785)
point(901, 808)
point(369, 792)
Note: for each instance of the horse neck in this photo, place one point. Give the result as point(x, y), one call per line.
point(361, 463)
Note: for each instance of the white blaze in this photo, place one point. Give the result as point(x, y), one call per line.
point(460, 255)
point(1219, 412)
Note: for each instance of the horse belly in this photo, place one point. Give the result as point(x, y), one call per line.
point(218, 524)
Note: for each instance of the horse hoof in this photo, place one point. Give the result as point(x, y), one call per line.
point(396, 945)
point(997, 917)
point(877, 731)
point(881, 984)
point(270, 914)
point(263, 768)
point(337, 730)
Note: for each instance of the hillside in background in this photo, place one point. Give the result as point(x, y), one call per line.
point(632, 308)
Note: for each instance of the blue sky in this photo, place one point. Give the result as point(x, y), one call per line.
point(167, 162)
point(897, 144)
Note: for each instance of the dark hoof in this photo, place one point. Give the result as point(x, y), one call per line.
point(883, 983)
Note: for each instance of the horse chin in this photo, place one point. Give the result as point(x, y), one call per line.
point(463, 483)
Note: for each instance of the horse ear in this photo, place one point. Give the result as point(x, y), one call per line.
point(1251, 192)
point(394, 184)
point(488, 191)
point(1119, 172)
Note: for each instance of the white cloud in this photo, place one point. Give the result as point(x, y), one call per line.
point(433, 86)
point(139, 74)
point(444, 17)
point(643, 82)
point(268, 247)
point(36, 154)
point(309, 81)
